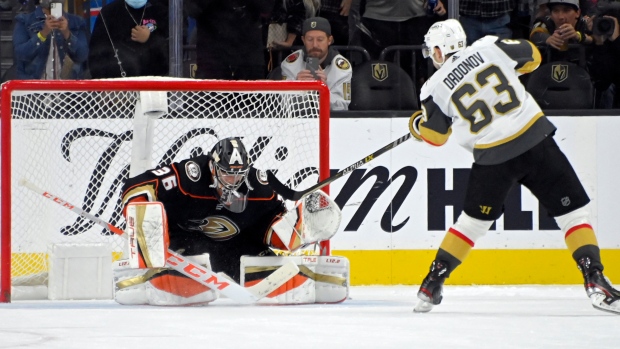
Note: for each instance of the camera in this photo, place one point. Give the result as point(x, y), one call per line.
point(603, 26)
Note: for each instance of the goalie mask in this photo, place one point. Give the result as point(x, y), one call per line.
point(229, 166)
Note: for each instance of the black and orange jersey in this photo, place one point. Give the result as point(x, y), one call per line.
point(477, 96)
point(191, 203)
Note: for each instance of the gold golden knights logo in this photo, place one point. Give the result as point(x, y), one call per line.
point(559, 72)
point(379, 71)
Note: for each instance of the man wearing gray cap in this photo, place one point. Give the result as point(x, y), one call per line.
point(564, 25)
point(318, 61)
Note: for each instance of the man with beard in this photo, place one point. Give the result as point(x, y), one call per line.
point(333, 69)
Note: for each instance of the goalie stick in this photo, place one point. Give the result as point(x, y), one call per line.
point(290, 194)
point(216, 281)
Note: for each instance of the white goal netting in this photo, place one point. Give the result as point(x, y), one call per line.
point(80, 140)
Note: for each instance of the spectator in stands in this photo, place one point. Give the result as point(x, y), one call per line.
point(230, 43)
point(485, 17)
point(334, 70)
point(394, 22)
point(385, 23)
point(604, 67)
point(49, 48)
point(130, 38)
point(337, 13)
point(564, 26)
point(293, 13)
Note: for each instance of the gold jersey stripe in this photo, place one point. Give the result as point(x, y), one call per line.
point(514, 136)
point(534, 63)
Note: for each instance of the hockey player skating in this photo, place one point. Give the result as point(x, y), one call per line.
point(213, 208)
point(476, 94)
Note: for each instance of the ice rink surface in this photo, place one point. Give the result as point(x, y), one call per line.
point(524, 317)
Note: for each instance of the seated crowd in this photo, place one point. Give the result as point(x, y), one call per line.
point(318, 39)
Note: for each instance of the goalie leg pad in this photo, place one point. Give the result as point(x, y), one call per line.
point(147, 228)
point(332, 279)
point(173, 289)
point(321, 279)
point(300, 289)
point(161, 286)
point(130, 286)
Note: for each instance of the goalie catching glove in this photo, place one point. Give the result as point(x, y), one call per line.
point(315, 218)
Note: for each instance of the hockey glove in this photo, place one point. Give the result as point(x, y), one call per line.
point(414, 128)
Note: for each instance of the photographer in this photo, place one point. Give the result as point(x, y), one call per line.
point(604, 69)
point(317, 61)
point(563, 26)
point(49, 44)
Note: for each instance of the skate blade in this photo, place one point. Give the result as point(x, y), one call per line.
point(422, 307)
point(598, 302)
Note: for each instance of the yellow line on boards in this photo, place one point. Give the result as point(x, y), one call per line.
point(482, 267)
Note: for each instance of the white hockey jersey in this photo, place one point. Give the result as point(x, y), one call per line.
point(337, 69)
point(478, 95)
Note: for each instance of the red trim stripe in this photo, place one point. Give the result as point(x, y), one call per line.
point(577, 227)
point(461, 236)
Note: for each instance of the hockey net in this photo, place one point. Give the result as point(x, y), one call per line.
point(80, 140)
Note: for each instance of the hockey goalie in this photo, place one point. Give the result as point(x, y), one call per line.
point(220, 212)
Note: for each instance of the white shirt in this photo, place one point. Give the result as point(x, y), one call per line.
point(338, 73)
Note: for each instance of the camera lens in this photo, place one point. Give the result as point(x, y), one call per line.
point(603, 26)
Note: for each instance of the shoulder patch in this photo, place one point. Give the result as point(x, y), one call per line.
point(193, 171)
point(292, 57)
point(342, 63)
point(261, 176)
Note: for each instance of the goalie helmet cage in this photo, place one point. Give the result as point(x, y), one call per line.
point(81, 139)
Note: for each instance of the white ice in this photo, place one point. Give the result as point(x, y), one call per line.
point(524, 317)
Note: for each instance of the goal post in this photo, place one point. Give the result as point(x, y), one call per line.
point(81, 139)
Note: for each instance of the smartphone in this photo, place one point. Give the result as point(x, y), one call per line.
point(312, 64)
point(56, 10)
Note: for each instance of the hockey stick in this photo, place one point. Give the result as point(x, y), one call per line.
point(215, 281)
point(290, 194)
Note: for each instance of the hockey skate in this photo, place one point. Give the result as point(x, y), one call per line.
point(598, 287)
point(431, 290)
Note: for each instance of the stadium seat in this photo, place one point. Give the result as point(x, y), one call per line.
point(561, 85)
point(382, 85)
point(275, 74)
point(10, 74)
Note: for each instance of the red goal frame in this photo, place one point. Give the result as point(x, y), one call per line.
point(10, 87)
